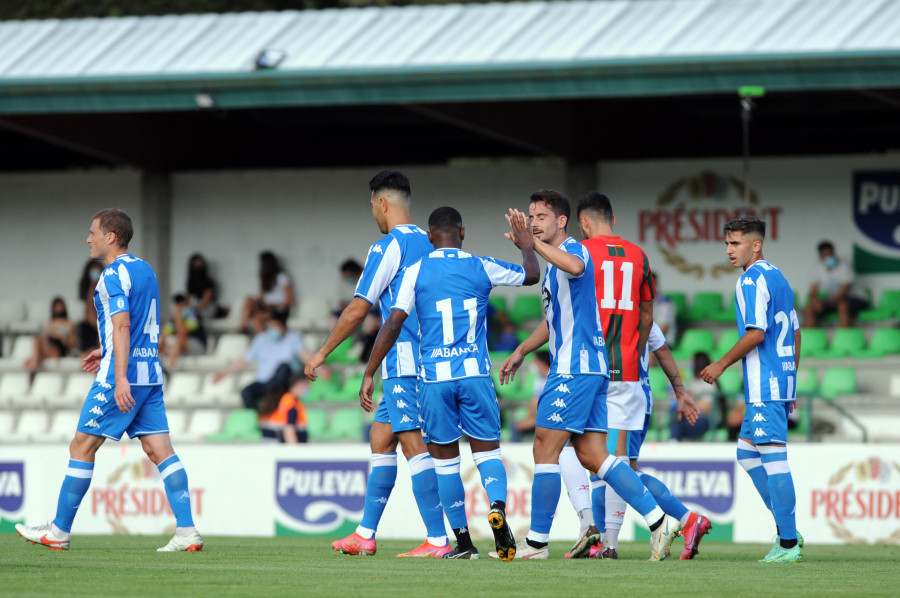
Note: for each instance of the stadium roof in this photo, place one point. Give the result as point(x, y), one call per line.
point(581, 80)
point(521, 51)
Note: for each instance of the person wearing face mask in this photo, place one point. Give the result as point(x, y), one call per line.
point(183, 334)
point(87, 327)
point(58, 339)
point(279, 356)
point(833, 289)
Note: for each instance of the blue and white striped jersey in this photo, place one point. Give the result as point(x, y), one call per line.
point(402, 247)
point(656, 340)
point(576, 334)
point(764, 300)
point(448, 291)
point(129, 285)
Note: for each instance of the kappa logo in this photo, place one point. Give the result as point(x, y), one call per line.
point(397, 389)
point(562, 388)
point(487, 481)
point(401, 404)
point(758, 418)
point(555, 418)
point(92, 424)
point(759, 405)
point(101, 397)
point(559, 403)
point(748, 282)
point(376, 249)
point(382, 499)
point(105, 385)
point(405, 419)
point(458, 504)
point(109, 272)
point(566, 376)
point(96, 410)
point(184, 495)
point(421, 421)
point(759, 432)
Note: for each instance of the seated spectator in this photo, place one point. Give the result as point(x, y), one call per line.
point(525, 425)
point(201, 289)
point(279, 355)
point(58, 339)
point(833, 289)
point(704, 396)
point(282, 417)
point(501, 332)
point(276, 295)
point(351, 270)
point(88, 338)
point(183, 333)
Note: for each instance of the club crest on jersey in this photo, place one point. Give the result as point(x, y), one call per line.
point(120, 303)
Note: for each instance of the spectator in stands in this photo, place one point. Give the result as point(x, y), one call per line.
point(87, 327)
point(279, 355)
point(183, 333)
point(665, 312)
point(705, 396)
point(282, 417)
point(351, 270)
point(276, 295)
point(525, 425)
point(59, 337)
point(833, 289)
point(202, 291)
point(501, 331)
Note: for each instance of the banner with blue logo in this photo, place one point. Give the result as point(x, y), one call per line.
point(319, 497)
point(876, 214)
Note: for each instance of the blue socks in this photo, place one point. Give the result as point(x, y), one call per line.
point(545, 493)
point(598, 502)
point(74, 487)
point(493, 475)
point(781, 489)
point(450, 488)
point(176, 482)
point(382, 476)
point(626, 483)
point(425, 491)
point(750, 459)
point(664, 497)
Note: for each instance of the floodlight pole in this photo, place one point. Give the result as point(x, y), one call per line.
point(747, 93)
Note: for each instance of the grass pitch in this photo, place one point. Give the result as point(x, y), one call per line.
point(268, 567)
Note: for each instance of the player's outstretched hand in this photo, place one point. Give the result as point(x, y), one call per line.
point(122, 394)
point(687, 408)
point(510, 365)
point(365, 393)
point(520, 232)
point(315, 361)
point(711, 372)
point(91, 362)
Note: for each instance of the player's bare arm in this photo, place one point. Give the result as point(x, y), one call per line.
point(686, 407)
point(646, 308)
point(350, 319)
point(386, 338)
point(512, 363)
point(91, 361)
point(752, 338)
point(121, 339)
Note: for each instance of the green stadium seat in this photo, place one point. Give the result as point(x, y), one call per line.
point(317, 424)
point(680, 301)
point(885, 341)
point(726, 315)
point(694, 340)
point(241, 424)
point(845, 342)
point(349, 390)
point(521, 389)
point(498, 357)
point(702, 305)
point(812, 342)
point(346, 424)
point(731, 382)
point(838, 381)
point(525, 308)
point(342, 353)
point(888, 307)
point(659, 384)
point(322, 390)
point(807, 381)
point(727, 339)
point(498, 302)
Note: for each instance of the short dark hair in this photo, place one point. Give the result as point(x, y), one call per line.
point(179, 298)
point(445, 220)
point(598, 204)
point(826, 245)
point(391, 179)
point(351, 266)
point(279, 315)
point(543, 357)
point(746, 225)
point(116, 221)
point(555, 200)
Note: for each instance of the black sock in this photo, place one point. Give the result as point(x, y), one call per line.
point(499, 504)
point(654, 526)
point(787, 544)
point(463, 539)
point(534, 544)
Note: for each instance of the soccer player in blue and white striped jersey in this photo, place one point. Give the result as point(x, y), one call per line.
point(127, 394)
point(769, 347)
point(447, 292)
point(397, 419)
point(573, 403)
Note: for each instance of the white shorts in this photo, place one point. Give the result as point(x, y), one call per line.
point(626, 406)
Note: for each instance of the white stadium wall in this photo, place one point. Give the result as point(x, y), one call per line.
point(315, 219)
point(845, 493)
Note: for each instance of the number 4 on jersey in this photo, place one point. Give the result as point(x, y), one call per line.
point(152, 327)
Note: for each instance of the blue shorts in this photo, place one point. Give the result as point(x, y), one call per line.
point(100, 416)
point(635, 439)
point(456, 407)
point(766, 423)
point(398, 405)
point(573, 403)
